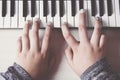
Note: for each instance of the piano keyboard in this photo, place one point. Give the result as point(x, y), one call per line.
point(13, 13)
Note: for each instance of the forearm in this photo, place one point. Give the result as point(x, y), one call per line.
point(100, 71)
point(15, 72)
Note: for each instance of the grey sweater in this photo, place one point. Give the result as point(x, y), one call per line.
point(101, 70)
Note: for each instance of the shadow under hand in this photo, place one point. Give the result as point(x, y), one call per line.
point(58, 44)
point(112, 49)
point(56, 50)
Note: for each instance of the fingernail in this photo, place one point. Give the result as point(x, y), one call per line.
point(37, 20)
point(97, 18)
point(82, 11)
point(28, 22)
point(65, 23)
point(50, 24)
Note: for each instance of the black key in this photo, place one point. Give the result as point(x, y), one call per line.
point(4, 8)
point(25, 8)
point(81, 4)
point(61, 8)
point(109, 5)
point(53, 7)
point(73, 3)
point(33, 8)
point(45, 7)
point(93, 7)
point(12, 7)
point(101, 7)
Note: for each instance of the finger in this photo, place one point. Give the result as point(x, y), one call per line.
point(34, 37)
point(102, 41)
point(46, 38)
point(82, 27)
point(95, 39)
point(19, 45)
point(69, 55)
point(68, 36)
point(25, 36)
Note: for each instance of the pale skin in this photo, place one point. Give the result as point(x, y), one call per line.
point(80, 55)
point(30, 55)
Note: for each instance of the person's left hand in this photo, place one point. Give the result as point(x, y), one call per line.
point(32, 53)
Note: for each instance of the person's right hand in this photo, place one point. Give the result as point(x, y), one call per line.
point(32, 52)
point(81, 55)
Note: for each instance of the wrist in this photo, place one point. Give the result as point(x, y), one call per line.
point(22, 72)
point(95, 68)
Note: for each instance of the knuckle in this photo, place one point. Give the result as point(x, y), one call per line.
point(43, 55)
point(98, 22)
point(18, 40)
point(32, 55)
point(27, 43)
point(44, 50)
point(98, 25)
point(98, 30)
point(25, 36)
point(46, 39)
point(26, 26)
point(34, 38)
point(26, 40)
point(34, 34)
point(67, 50)
point(46, 36)
point(36, 26)
point(81, 27)
point(36, 22)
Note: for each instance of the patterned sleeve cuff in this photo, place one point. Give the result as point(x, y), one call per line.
point(21, 72)
point(96, 69)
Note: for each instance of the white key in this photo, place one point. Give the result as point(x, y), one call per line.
point(7, 20)
point(57, 16)
point(29, 12)
point(71, 19)
point(97, 5)
point(21, 18)
point(105, 16)
point(86, 8)
point(64, 18)
point(43, 19)
point(117, 9)
point(37, 15)
point(90, 17)
point(49, 17)
point(1, 18)
point(77, 15)
point(14, 19)
point(112, 17)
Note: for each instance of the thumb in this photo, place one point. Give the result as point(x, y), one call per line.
point(102, 41)
point(69, 55)
point(19, 45)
